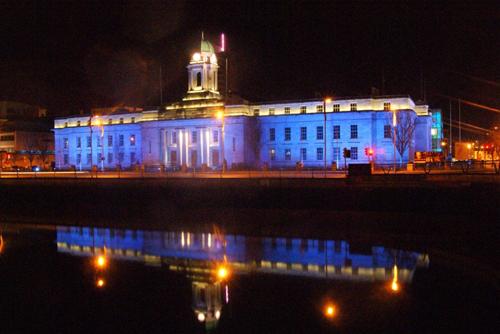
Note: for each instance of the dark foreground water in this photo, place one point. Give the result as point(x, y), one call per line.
point(202, 281)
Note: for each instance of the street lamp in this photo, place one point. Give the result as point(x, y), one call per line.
point(220, 116)
point(325, 101)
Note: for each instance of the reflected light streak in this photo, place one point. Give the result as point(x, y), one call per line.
point(227, 293)
point(101, 261)
point(330, 311)
point(1, 244)
point(394, 283)
point(100, 283)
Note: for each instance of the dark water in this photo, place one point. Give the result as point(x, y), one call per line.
point(168, 282)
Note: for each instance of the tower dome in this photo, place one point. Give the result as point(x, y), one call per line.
point(206, 46)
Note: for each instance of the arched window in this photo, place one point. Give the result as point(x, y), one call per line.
point(198, 79)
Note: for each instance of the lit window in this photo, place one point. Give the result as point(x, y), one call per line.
point(319, 153)
point(336, 132)
point(288, 134)
point(303, 154)
point(132, 120)
point(354, 131)
point(336, 107)
point(387, 106)
point(319, 108)
point(354, 153)
point(287, 110)
point(303, 133)
point(303, 109)
point(121, 120)
point(78, 123)
point(271, 111)
point(387, 131)
point(272, 154)
point(288, 154)
point(272, 134)
point(194, 137)
point(319, 133)
point(132, 140)
point(336, 153)
point(354, 106)
point(256, 112)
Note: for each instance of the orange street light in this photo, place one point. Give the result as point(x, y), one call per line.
point(219, 114)
point(223, 273)
point(330, 311)
point(100, 283)
point(101, 262)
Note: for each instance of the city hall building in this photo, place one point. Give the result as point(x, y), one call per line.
point(206, 128)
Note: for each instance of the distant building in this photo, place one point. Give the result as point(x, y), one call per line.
point(25, 136)
point(277, 134)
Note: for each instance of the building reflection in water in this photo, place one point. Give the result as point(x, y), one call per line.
point(198, 255)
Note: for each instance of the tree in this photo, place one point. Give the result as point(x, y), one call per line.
point(402, 133)
point(44, 152)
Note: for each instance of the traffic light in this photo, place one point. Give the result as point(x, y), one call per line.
point(368, 151)
point(347, 153)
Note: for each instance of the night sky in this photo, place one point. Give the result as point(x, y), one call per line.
point(69, 56)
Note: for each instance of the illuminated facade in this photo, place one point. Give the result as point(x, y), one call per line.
point(276, 134)
point(197, 255)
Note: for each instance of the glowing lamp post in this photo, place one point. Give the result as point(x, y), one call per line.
point(330, 311)
point(220, 116)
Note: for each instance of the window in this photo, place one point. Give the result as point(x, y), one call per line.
point(89, 158)
point(78, 158)
point(303, 109)
point(99, 157)
point(256, 112)
point(288, 134)
point(78, 142)
point(336, 107)
point(149, 146)
point(7, 138)
point(387, 131)
point(65, 143)
point(110, 158)
point(287, 110)
point(78, 123)
point(174, 137)
point(354, 106)
point(98, 140)
point(215, 136)
point(288, 154)
point(234, 144)
point(336, 132)
point(89, 141)
point(387, 106)
point(303, 154)
point(66, 159)
point(303, 133)
point(121, 156)
point(354, 131)
point(121, 120)
point(319, 133)
point(110, 140)
point(354, 153)
point(110, 121)
point(173, 157)
point(198, 79)
point(88, 122)
point(215, 157)
point(132, 120)
point(132, 157)
point(65, 124)
point(272, 154)
point(132, 140)
point(319, 108)
point(336, 153)
point(120, 140)
point(319, 153)
point(271, 111)
point(194, 137)
point(272, 134)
